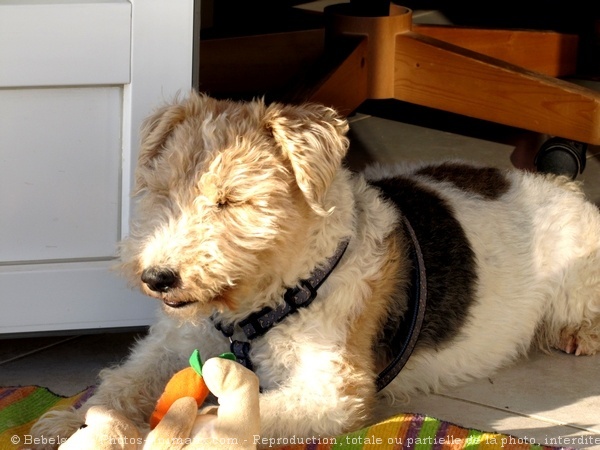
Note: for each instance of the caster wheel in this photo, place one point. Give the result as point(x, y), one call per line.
point(561, 157)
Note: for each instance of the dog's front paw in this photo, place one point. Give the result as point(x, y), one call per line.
point(580, 341)
point(55, 427)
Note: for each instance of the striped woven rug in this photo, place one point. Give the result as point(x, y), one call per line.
point(21, 406)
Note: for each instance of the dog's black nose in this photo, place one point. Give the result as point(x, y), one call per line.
point(160, 279)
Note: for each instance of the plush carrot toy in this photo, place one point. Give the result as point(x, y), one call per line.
point(187, 382)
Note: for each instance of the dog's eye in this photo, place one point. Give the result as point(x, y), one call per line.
point(211, 193)
point(218, 202)
point(222, 203)
point(214, 194)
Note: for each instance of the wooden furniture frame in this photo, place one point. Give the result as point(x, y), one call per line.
point(503, 76)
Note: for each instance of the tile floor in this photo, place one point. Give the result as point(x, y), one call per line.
point(544, 397)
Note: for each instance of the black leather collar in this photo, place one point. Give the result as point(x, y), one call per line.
point(258, 323)
point(405, 338)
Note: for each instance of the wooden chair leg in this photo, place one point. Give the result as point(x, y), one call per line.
point(345, 86)
point(244, 67)
point(439, 75)
point(547, 52)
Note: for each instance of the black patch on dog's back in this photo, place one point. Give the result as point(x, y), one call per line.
point(449, 260)
point(487, 182)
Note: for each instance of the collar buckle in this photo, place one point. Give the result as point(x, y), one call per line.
point(241, 350)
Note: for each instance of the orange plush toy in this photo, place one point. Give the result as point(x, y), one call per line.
point(187, 382)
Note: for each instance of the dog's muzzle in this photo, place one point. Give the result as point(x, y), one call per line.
point(160, 279)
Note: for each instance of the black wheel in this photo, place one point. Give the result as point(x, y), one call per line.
point(561, 157)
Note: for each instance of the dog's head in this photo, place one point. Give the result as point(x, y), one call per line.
point(226, 192)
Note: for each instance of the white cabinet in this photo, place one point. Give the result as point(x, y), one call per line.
point(77, 77)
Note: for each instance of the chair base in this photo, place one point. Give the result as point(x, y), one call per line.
point(503, 76)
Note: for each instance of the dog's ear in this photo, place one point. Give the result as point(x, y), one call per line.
point(155, 130)
point(313, 138)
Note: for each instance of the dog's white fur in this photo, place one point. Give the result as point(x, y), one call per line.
point(246, 199)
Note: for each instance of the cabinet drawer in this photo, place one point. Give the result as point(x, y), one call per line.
point(66, 42)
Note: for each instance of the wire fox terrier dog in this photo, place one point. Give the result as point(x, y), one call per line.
point(254, 237)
